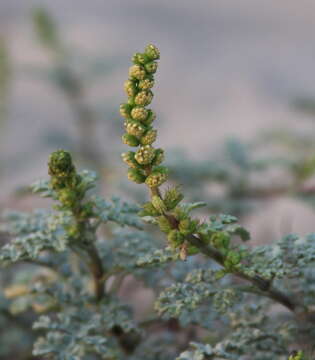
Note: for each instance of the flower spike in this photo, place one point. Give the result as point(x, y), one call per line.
point(143, 163)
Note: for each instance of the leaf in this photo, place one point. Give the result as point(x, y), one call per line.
point(43, 188)
point(120, 212)
point(188, 207)
point(242, 233)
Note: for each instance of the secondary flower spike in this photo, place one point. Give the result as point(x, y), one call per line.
point(143, 163)
point(61, 170)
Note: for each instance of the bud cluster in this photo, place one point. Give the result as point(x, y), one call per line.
point(221, 240)
point(69, 188)
point(143, 163)
point(62, 171)
point(160, 208)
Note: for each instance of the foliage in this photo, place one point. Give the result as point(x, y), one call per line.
point(215, 296)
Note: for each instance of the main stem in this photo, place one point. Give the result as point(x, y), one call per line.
point(95, 264)
point(97, 270)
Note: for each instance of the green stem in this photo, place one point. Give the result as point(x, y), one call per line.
point(95, 264)
point(97, 271)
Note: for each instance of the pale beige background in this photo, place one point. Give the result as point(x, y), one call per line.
point(228, 67)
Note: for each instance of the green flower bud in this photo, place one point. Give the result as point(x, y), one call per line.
point(150, 117)
point(56, 183)
point(139, 113)
point(184, 225)
point(151, 67)
point(125, 110)
point(172, 198)
point(134, 128)
point(152, 52)
point(164, 224)
point(73, 230)
point(144, 97)
point(129, 159)
point(136, 176)
point(62, 171)
point(87, 209)
point(219, 274)
point(67, 197)
point(158, 204)
point(233, 257)
point(130, 88)
point(137, 72)
point(145, 155)
point(146, 84)
point(60, 164)
point(157, 177)
point(175, 238)
point(192, 250)
point(140, 58)
point(149, 137)
point(180, 214)
point(221, 240)
point(187, 226)
point(159, 157)
point(148, 210)
point(130, 140)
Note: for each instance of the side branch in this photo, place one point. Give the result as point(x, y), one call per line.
point(265, 286)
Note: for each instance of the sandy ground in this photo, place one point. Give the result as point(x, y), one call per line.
point(228, 68)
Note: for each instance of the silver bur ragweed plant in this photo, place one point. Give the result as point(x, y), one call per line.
point(214, 296)
point(260, 268)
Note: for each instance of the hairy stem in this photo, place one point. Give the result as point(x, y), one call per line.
point(95, 264)
point(97, 271)
point(264, 285)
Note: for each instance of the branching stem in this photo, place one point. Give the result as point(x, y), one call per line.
point(264, 285)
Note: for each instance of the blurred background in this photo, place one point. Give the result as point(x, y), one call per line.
point(234, 95)
point(235, 89)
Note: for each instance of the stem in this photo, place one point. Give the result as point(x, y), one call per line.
point(95, 264)
point(264, 285)
point(155, 191)
point(97, 270)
